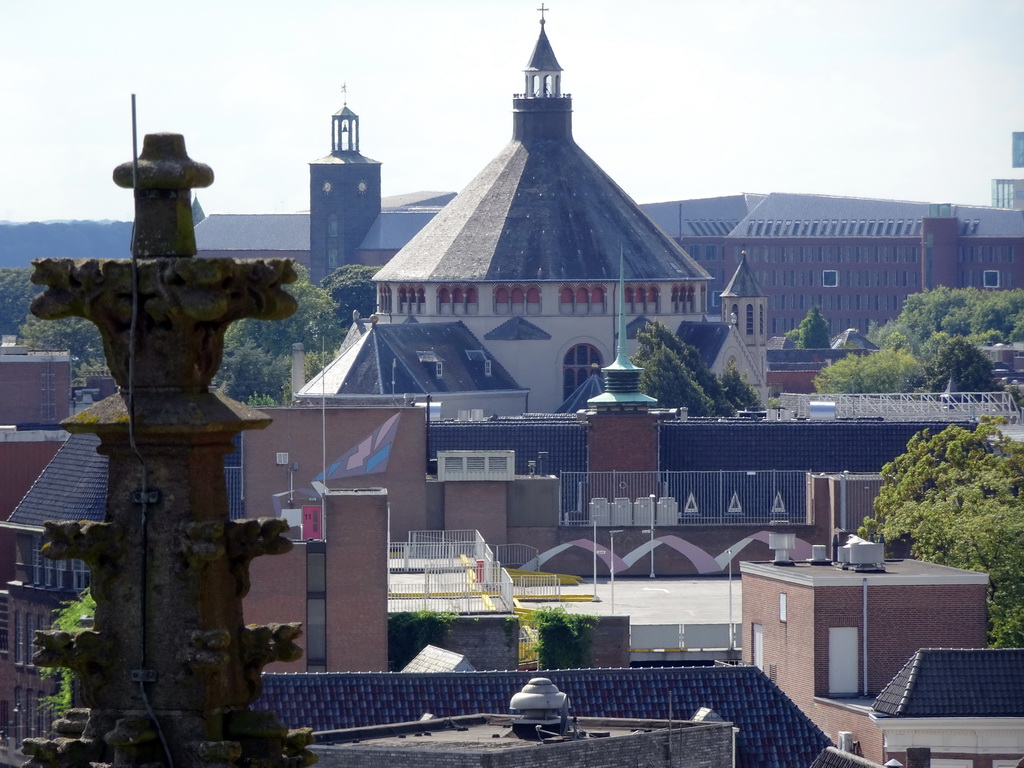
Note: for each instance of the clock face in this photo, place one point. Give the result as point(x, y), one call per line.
point(361, 187)
point(327, 187)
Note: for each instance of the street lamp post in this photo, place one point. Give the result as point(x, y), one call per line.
point(611, 536)
point(593, 519)
point(731, 642)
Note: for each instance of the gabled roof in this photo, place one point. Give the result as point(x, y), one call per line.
point(72, 487)
point(743, 282)
point(706, 337)
point(392, 229)
point(772, 731)
point(577, 401)
point(852, 338)
point(417, 200)
point(517, 329)
point(943, 682)
point(399, 359)
point(253, 232)
point(543, 57)
point(541, 210)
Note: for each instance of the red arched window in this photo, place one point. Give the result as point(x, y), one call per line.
point(501, 295)
point(533, 300)
point(565, 302)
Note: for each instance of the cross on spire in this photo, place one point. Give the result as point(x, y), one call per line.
point(542, 9)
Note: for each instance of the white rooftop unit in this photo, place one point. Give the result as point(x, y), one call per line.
point(491, 466)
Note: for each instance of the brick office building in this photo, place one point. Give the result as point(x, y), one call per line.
point(858, 259)
point(832, 638)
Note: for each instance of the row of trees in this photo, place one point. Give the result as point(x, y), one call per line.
point(256, 353)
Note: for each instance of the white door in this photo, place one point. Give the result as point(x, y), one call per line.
point(758, 646)
point(842, 660)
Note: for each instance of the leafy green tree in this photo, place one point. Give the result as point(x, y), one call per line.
point(16, 292)
point(68, 619)
point(352, 289)
point(956, 499)
point(674, 374)
point(813, 330)
point(257, 353)
point(75, 334)
point(737, 390)
point(956, 358)
point(887, 370)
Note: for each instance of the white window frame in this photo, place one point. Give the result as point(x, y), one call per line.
point(835, 278)
point(985, 278)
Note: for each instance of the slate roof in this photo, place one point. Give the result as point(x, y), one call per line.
point(942, 682)
point(543, 57)
point(853, 338)
point(898, 218)
point(706, 337)
point(773, 732)
point(743, 282)
point(253, 232)
point(72, 487)
point(409, 353)
point(703, 217)
point(837, 758)
point(777, 215)
point(417, 200)
point(563, 438)
point(578, 401)
point(517, 329)
point(541, 210)
point(394, 228)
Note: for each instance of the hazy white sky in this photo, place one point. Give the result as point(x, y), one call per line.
point(906, 99)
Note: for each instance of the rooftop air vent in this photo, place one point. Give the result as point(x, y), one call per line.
point(782, 543)
point(863, 556)
point(493, 466)
point(544, 710)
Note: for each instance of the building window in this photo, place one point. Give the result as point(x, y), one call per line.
point(80, 573)
point(782, 606)
point(750, 320)
point(579, 363)
point(19, 639)
point(829, 278)
point(990, 278)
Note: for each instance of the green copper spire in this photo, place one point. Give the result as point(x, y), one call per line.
point(622, 378)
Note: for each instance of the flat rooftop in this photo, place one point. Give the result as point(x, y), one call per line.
point(902, 572)
point(484, 733)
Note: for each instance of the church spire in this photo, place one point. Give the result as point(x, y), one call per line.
point(622, 378)
point(344, 127)
point(543, 75)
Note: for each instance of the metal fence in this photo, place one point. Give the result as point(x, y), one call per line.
point(678, 637)
point(916, 406)
point(683, 498)
point(438, 549)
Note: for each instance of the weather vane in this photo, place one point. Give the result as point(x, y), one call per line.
point(344, 92)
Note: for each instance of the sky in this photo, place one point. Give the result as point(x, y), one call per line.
point(675, 99)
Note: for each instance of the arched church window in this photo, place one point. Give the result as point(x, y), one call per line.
point(518, 301)
point(750, 320)
point(458, 301)
point(734, 316)
point(472, 301)
point(761, 319)
point(332, 225)
point(630, 304)
point(444, 301)
point(582, 301)
point(597, 300)
point(652, 299)
point(403, 300)
point(421, 300)
point(579, 363)
point(384, 300)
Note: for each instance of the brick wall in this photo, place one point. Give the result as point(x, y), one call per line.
point(623, 441)
point(357, 600)
point(297, 431)
point(609, 643)
point(37, 388)
point(481, 506)
point(277, 593)
point(487, 642)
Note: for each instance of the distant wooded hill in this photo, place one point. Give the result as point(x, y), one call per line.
point(20, 243)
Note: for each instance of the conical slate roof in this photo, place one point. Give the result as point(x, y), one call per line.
point(541, 210)
point(743, 282)
point(543, 58)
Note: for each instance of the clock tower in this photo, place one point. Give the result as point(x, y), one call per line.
point(344, 198)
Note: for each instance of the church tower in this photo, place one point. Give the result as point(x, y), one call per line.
point(344, 198)
point(744, 305)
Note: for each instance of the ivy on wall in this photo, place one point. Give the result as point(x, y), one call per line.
point(410, 632)
point(564, 639)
